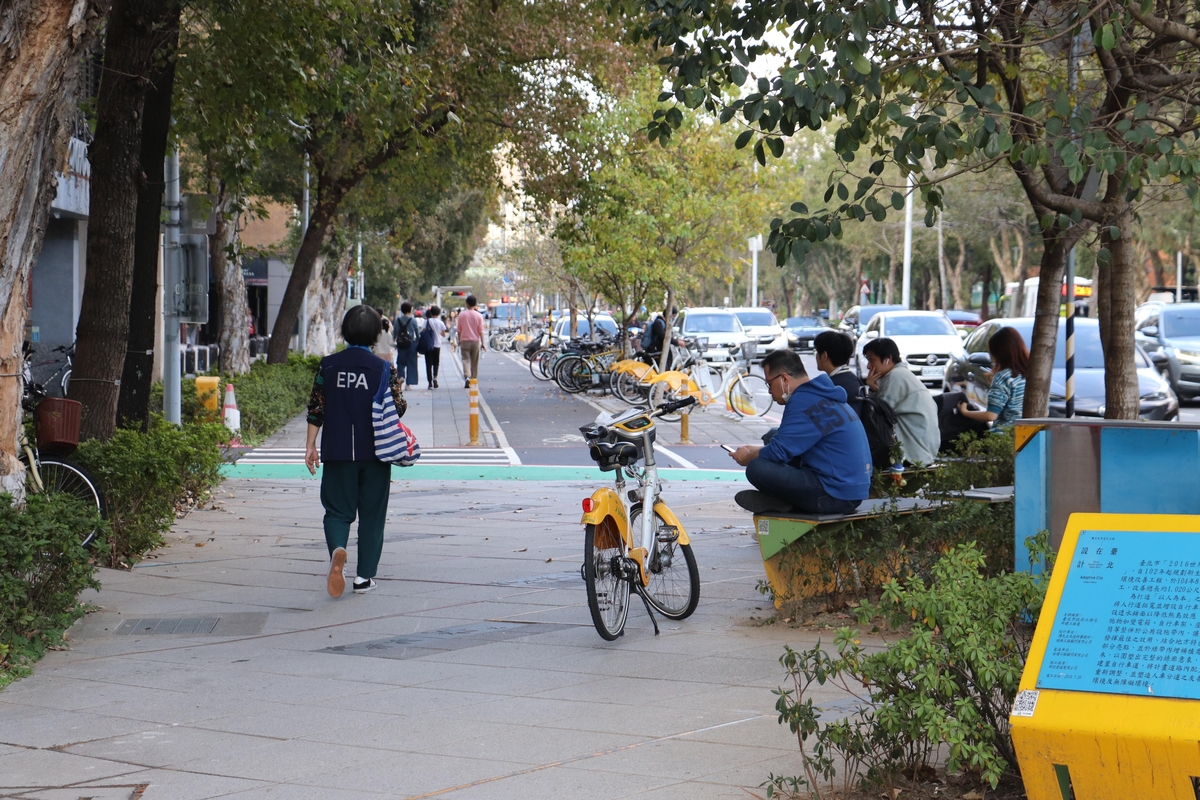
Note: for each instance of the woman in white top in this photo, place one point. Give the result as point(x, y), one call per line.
point(435, 329)
point(384, 344)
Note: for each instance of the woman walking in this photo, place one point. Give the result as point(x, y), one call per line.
point(384, 347)
point(433, 356)
point(354, 483)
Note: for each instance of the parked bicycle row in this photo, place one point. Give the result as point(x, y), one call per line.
point(690, 370)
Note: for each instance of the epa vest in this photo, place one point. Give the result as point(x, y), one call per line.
point(351, 379)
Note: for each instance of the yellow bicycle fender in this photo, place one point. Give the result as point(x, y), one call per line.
point(633, 367)
point(672, 378)
point(668, 517)
point(606, 503)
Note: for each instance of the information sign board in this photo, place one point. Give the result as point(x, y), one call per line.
point(1128, 621)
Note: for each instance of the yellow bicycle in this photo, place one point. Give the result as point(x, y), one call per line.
point(626, 549)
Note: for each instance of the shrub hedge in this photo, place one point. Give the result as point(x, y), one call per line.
point(147, 475)
point(43, 569)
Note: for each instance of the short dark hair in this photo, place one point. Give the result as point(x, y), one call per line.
point(836, 345)
point(1008, 349)
point(406, 307)
point(433, 311)
point(471, 301)
point(883, 347)
point(361, 326)
point(785, 361)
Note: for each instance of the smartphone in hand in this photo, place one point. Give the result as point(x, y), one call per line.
point(728, 449)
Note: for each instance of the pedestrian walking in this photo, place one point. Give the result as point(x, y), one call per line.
point(406, 331)
point(470, 339)
point(384, 346)
point(354, 483)
point(431, 344)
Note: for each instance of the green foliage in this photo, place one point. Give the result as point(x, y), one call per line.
point(271, 394)
point(267, 396)
point(43, 569)
point(946, 685)
point(147, 475)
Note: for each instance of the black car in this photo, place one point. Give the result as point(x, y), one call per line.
point(802, 331)
point(972, 371)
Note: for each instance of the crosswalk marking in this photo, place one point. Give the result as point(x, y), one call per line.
point(460, 456)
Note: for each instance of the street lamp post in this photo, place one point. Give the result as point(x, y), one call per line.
point(755, 246)
point(906, 291)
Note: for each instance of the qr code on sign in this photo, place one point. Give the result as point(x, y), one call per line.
point(1024, 703)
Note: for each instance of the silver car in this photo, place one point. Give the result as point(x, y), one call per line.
point(1174, 331)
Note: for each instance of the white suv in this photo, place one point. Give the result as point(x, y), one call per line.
point(926, 340)
point(719, 326)
point(762, 326)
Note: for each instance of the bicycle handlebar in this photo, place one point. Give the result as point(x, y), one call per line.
point(674, 405)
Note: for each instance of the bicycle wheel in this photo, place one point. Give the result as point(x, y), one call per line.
point(607, 590)
point(63, 477)
point(539, 364)
point(663, 393)
point(573, 374)
point(749, 396)
point(674, 587)
point(626, 386)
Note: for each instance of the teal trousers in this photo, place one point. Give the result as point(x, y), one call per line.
point(359, 489)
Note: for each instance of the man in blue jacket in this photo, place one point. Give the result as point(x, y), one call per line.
point(819, 461)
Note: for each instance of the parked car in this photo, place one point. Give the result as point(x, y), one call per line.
point(1172, 332)
point(856, 318)
point(761, 325)
point(964, 320)
point(719, 325)
point(972, 371)
point(604, 323)
point(802, 331)
point(926, 340)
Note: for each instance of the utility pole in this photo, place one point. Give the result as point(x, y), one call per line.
point(942, 263)
point(755, 246)
point(906, 291)
point(1178, 276)
point(172, 277)
point(302, 335)
point(362, 282)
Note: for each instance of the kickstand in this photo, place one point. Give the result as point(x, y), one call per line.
point(649, 611)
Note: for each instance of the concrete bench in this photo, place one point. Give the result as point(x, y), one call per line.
point(792, 576)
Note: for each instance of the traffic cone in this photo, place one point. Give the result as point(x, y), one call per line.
point(230, 413)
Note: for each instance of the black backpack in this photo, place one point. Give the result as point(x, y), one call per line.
point(403, 334)
point(879, 421)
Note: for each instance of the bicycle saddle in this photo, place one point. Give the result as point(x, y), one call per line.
point(623, 453)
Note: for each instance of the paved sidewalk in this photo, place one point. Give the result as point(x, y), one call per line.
point(472, 672)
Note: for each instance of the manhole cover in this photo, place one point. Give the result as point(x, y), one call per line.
point(196, 626)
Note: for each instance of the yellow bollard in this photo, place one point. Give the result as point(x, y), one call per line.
point(474, 394)
point(683, 428)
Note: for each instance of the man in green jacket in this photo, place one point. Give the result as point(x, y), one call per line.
point(916, 411)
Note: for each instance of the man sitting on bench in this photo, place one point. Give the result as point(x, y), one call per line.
point(818, 462)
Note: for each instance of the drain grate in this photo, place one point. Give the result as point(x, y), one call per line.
point(151, 626)
point(422, 644)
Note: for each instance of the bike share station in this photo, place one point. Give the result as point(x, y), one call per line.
point(1109, 701)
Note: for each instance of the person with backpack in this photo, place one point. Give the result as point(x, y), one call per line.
point(405, 332)
point(354, 483)
point(429, 344)
point(834, 351)
point(818, 461)
point(892, 381)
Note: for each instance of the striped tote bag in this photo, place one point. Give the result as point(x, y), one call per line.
point(394, 441)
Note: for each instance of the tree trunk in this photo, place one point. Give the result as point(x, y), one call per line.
point(42, 43)
point(326, 302)
point(133, 404)
point(1056, 243)
point(1156, 268)
point(320, 224)
point(234, 336)
point(1117, 300)
point(891, 280)
point(134, 28)
point(941, 254)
